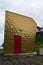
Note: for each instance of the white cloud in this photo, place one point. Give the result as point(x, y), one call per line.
point(1, 38)
point(2, 20)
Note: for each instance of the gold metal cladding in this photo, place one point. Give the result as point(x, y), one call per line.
point(16, 24)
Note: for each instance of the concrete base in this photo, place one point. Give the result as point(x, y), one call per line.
point(41, 51)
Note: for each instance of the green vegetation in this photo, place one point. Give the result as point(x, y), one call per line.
point(39, 40)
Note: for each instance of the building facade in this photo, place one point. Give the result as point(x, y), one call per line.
point(20, 32)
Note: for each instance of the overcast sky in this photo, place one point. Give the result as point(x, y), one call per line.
point(30, 8)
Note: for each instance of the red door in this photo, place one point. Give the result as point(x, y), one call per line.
point(17, 44)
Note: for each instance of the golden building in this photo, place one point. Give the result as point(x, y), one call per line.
point(20, 32)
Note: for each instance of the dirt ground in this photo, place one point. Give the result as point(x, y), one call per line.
point(21, 60)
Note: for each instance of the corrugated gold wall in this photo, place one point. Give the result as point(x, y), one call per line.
point(16, 24)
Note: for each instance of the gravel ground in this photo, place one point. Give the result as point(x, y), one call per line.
point(21, 60)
